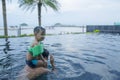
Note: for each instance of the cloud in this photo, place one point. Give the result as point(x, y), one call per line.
point(88, 5)
point(69, 5)
point(11, 8)
point(71, 11)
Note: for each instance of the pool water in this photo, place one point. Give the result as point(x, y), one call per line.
point(77, 56)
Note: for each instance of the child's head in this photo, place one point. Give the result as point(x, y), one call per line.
point(39, 33)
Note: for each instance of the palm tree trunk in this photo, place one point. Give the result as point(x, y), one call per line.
point(4, 18)
point(39, 13)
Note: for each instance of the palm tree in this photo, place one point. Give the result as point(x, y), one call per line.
point(33, 3)
point(4, 17)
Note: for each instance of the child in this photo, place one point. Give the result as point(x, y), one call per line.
point(37, 56)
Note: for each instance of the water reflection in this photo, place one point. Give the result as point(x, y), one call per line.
point(6, 62)
point(7, 46)
point(77, 57)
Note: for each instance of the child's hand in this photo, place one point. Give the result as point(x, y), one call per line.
point(45, 63)
point(53, 68)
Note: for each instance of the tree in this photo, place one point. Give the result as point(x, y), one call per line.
point(33, 3)
point(4, 17)
point(23, 24)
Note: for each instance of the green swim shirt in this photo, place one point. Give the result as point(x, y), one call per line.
point(36, 50)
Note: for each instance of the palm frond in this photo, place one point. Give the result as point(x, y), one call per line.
point(30, 4)
point(27, 4)
point(52, 3)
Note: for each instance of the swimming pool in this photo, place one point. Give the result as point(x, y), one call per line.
point(77, 56)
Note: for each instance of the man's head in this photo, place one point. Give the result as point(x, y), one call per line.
point(39, 33)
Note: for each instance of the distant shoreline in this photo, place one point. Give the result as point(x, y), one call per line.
point(15, 28)
point(9, 28)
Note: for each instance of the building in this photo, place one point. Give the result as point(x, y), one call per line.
point(103, 28)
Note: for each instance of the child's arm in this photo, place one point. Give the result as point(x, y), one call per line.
point(45, 62)
point(52, 62)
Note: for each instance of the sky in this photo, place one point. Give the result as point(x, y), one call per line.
point(71, 12)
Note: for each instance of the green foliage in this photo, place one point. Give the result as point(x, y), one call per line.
point(12, 36)
point(3, 37)
point(31, 4)
point(7, 36)
point(23, 24)
point(31, 35)
point(76, 32)
point(96, 31)
point(23, 35)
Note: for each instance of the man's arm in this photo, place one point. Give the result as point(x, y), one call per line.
point(29, 56)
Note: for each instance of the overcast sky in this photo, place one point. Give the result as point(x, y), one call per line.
point(73, 12)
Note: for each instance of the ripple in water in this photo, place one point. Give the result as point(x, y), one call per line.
point(77, 57)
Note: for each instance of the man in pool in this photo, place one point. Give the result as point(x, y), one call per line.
point(37, 56)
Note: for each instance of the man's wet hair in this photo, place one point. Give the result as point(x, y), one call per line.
point(38, 29)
